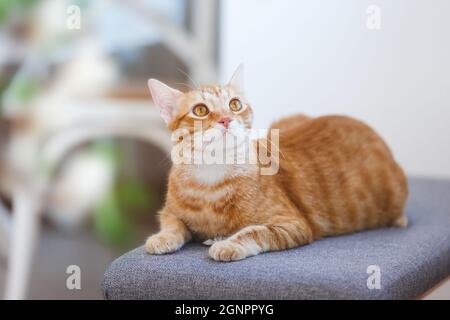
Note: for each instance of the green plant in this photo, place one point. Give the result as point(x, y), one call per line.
point(8, 6)
point(114, 218)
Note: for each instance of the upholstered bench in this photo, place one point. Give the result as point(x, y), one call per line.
point(380, 264)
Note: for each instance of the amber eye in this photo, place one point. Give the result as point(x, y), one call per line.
point(200, 110)
point(235, 105)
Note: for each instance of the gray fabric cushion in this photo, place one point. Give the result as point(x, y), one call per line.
point(411, 261)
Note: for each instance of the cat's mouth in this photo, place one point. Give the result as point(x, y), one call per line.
point(221, 138)
point(224, 131)
point(225, 137)
point(218, 132)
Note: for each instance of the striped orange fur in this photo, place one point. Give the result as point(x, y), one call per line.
point(336, 176)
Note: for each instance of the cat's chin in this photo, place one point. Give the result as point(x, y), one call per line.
point(212, 174)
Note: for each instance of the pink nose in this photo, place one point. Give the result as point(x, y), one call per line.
point(225, 122)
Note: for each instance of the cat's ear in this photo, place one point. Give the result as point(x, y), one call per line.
point(166, 98)
point(237, 80)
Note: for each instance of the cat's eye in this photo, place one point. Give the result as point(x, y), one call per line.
point(235, 105)
point(200, 110)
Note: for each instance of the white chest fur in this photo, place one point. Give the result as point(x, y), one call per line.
point(211, 174)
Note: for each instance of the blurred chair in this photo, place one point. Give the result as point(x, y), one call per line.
point(195, 47)
point(32, 152)
point(5, 229)
point(31, 186)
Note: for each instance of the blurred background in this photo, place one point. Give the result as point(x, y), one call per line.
point(84, 156)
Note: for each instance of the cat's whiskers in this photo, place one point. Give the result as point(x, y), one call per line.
point(189, 77)
point(186, 85)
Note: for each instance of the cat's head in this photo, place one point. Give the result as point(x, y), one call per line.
point(218, 107)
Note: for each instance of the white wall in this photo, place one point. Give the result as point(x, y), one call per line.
point(319, 57)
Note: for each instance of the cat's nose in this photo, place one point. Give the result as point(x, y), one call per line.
point(225, 122)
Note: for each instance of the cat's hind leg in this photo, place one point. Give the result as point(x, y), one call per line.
point(255, 239)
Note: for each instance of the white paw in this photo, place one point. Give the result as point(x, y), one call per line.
point(210, 242)
point(227, 250)
point(162, 243)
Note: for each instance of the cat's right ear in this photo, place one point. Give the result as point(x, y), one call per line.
point(166, 98)
point(237, 80)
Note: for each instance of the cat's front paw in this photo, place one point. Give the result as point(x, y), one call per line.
point(228, 250)
point(162, 243)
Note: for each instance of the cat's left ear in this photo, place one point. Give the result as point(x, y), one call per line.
point(237, 80)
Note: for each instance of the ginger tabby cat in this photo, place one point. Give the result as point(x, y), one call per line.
point(335, 176)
